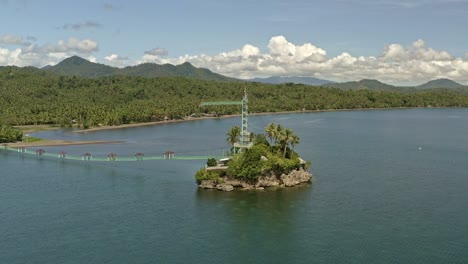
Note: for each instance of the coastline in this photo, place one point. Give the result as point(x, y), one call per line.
point(58, 142)
point(103, 128)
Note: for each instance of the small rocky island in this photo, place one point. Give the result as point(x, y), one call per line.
point(269, 160)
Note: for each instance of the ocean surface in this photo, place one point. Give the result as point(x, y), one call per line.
point(390, 186)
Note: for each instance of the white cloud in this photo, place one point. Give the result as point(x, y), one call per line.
point(76, 45)
point(286, 51)
point(92, 59)
point(394, 52)
point(398, 64)
point(116, 60)
point(40, 55)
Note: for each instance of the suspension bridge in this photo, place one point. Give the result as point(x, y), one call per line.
point(111, 157)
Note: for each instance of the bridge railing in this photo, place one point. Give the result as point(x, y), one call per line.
point(90, 158)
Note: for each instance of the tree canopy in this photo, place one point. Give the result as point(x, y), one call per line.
point(30, 96)
point(263, 157)
point(9, 134)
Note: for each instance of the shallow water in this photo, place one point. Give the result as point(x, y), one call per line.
point(390, 187)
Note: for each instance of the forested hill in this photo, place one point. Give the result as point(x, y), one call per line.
point(77, 66)
point(80, 67)
point(440, 83)
point(30, 96)
point(365, 84)
point(368, 84)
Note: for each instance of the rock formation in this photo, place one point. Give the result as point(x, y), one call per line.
point(293, 178)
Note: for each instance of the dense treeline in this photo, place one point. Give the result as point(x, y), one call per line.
point(9, 134)
point(34, 97)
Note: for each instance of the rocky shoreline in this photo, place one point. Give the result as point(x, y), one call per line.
point(293, 178)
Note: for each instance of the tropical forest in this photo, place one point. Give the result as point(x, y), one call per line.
point(32, 96)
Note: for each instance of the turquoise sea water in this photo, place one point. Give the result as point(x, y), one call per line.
point(389, 187)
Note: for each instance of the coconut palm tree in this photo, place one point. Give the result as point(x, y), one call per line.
point(286, 139)
point(233, 136)
point(270, 131)
point(278, 134)
point(294, 141)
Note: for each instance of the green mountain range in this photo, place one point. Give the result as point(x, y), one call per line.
point(374, 85)
point(365, 84)
point(77, 66)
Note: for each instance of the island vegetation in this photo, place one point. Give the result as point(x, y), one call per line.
point(268, 162)
point(9, 134)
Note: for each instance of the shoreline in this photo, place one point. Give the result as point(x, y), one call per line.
point(103, 128)
point(58, 142)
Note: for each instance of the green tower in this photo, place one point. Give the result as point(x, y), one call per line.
point(245, 134)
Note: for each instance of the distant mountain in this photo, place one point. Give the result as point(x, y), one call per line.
point(440, 83)
point(168, 70)
point(83, 68)
point(366, 84)
point(80, 67)
point(15, 71)
point(302, 80)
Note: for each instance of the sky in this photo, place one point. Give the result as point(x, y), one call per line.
point(401, 42)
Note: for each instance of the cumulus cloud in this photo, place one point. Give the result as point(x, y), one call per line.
point(91, 59)
point(397, 64)
point(81, 25)
point(40, 55)
point(418, 51)
point(116, 60)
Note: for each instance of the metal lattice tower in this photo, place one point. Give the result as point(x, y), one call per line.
point(244, 141)
point(245, 134)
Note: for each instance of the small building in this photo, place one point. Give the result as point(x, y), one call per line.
point(224, 162)
point(302, 163)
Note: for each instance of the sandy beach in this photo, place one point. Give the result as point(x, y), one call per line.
point(93, 129)
point(51, 142)
point(56, 142)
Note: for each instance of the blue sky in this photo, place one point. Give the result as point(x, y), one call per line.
point(400, 42)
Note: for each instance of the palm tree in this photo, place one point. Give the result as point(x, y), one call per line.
point(278, 134)
point(294, 141)
point(233, 136)
point(270, 131)
point(286, 139)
